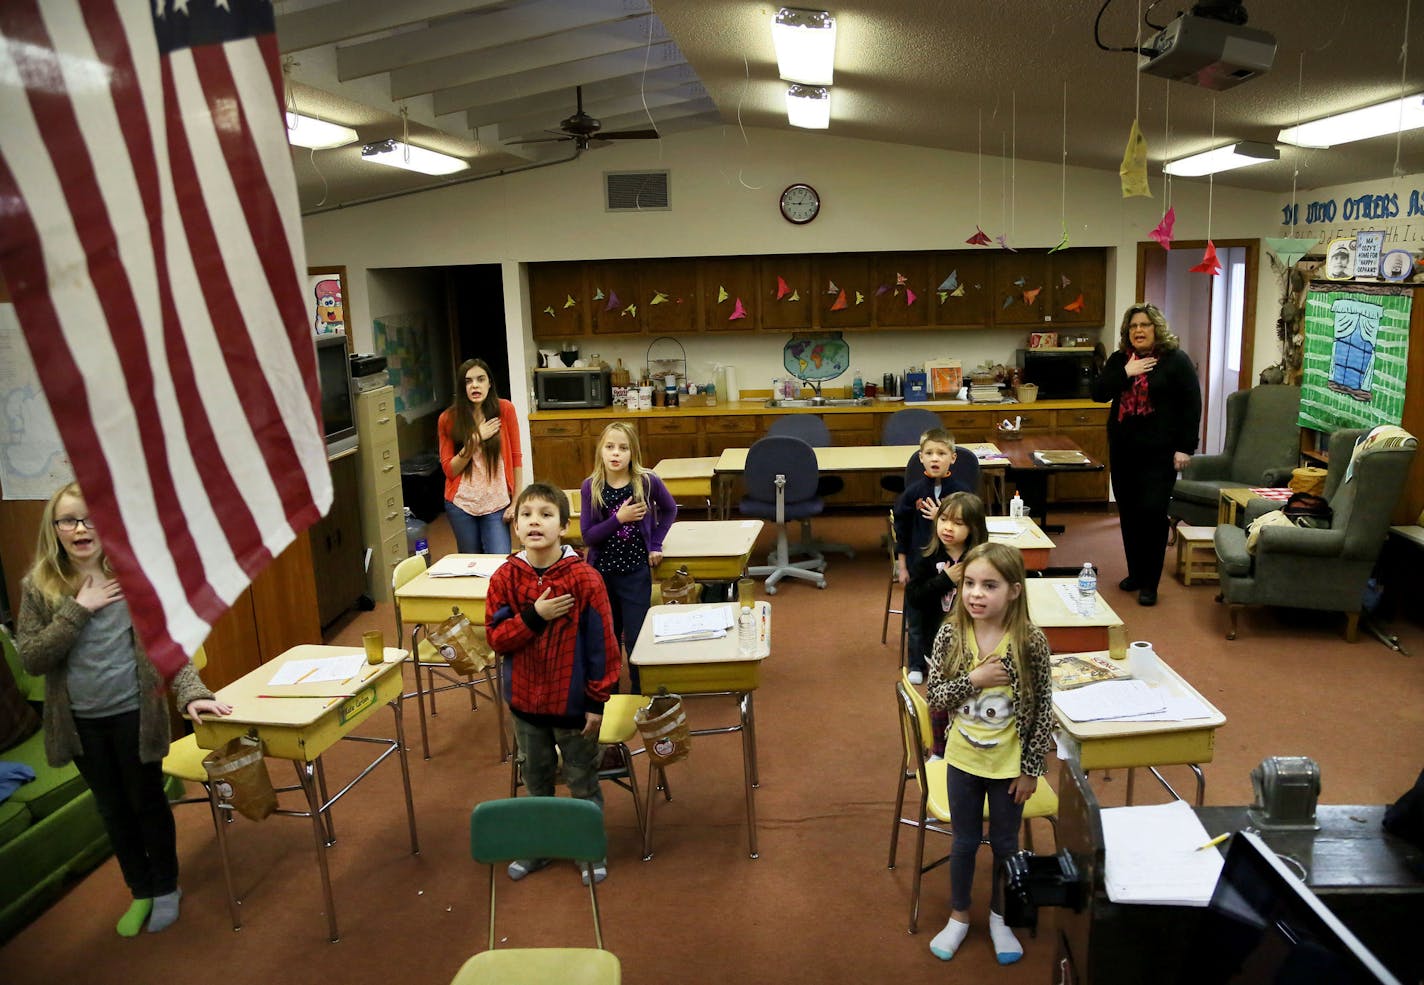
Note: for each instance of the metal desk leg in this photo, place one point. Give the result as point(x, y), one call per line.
point(1131, 770)
point(419, 698)
point(305, 776)
point(749, 769)
point(328, 821)
point(220, 825)
point(648, 814)
point(749, 724)
point(1201, 783)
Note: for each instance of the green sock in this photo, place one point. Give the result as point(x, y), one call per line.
point(132, 920)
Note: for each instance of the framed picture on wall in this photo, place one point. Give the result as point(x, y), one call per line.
point(326, 301)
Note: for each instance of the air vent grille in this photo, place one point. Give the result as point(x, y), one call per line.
point(636, 191)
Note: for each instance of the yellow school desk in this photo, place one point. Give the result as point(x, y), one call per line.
point(303, 725)
point(423, 600)
point(707, 668)
point(1069, 631)
point(712, 550)
point(688, 477)
point(1027, 536)
point(1125, 745)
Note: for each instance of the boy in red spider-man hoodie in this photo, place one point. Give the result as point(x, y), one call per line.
point(548, 617)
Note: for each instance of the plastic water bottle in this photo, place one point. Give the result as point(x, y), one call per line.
point(857, 387)
point(1016, 506)
point(746, 633)
point(1087, 586)
point(416, 536)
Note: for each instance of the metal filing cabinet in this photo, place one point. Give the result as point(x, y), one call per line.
point(382, 503)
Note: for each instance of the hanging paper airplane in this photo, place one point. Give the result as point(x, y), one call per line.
point(942, 296)
point(1075, 305)
point(1063, 280)
point(840, 303)
point(909, 297)
point(659, 298)
point(1031, 297)
point(1063, 241)
point(721, 294)
point(550, 311)
point(795, 296)
point(613, 303)
point(1008, 300)
point(1133, 170)
point(632, 309)
point(598, 294)
point(1003, 241)
point(1289, 249)
point(1021, 281)
point(831, 287)
point(1209, 263)
point(950, 282)
point(881, 289)
point(569, 301)
point(782, 288)
point(899, 279)
point(980, 238)
point(958, 292)
point(737, 311)
point(859, 298)
point(1162, 232)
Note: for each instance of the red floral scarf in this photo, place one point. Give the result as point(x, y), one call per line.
point(1134, 402)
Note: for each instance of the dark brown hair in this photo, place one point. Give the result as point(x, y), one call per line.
point(462, 413)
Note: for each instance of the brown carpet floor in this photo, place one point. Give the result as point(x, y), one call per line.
point(819, 905)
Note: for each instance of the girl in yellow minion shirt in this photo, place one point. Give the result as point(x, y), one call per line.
point(989, 670)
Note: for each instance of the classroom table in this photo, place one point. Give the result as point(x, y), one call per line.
point(1031, 476)
point(1027, 536)
point(1067, 629)
point(711, 550)
point(301, 722)
point(426, 599)
point(686, 477)
point(1128, 745)
point(707, 668)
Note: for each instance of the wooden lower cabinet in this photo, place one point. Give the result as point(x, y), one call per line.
point(561, 454)
point(1089, 429)
point(669, 437)
point(336, 547)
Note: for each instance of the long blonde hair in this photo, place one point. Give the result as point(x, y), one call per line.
point(1008, 562)
point(52, 572)
point(598, 480)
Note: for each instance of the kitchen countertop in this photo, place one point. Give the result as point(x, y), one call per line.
point(758, 406)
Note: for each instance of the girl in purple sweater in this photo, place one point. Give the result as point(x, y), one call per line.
point(626, 514)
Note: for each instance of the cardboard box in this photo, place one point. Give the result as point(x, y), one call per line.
point(1042, 340)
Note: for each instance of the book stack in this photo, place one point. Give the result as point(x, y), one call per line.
point(1060, 458)
point(985, 394)
point(1072, 670)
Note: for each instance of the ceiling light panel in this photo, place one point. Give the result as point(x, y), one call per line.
point(805, 42)
point(808, 107)
point(1391, 116)
point(1241, 154)
point(306, 131)
point(395, 154)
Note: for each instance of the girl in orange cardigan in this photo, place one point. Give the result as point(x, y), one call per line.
point(479, 451)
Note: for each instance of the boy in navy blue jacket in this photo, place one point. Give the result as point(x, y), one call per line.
point(548, 618)
point(914, 512)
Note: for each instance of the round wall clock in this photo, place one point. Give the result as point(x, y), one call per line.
point(800, 203)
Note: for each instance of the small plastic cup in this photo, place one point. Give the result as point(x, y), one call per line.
point(746, 597)
point(375, 645)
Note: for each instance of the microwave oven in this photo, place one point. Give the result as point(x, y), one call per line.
point(1061, 374)
point(562, 389)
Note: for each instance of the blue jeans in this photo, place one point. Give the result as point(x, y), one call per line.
point(916, 647)
point(486, 534)
point(630, 596)
point(538, 761)
point(966, 807)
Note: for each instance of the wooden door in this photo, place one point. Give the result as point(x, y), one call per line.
point(669, 436)
point(559, 452)
point(668, 304)
point(789, 277)
point(616, 304)
point(558, 301)
point(971, 271)
point(842, 275)
point(726, 283)
point(1076, 277)
point(1019, 295)
point(901, 294)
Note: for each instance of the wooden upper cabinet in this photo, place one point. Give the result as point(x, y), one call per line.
point(620, 309)
point(849, 273)
point(896, 304)
point(1085, 272)
point(725, 281)
point(551, 287)
point(972, 271)
point(1017, 275)
point(668, 304)
point(792, 311)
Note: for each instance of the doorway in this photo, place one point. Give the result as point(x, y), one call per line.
point(1214, 317)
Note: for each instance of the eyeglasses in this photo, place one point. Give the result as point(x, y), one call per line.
point(69, 524)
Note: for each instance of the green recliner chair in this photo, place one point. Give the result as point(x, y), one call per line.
point(1262, 447)
point(1320, 568)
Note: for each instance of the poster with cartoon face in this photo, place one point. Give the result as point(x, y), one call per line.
point(326, 300)
point(1340, 259)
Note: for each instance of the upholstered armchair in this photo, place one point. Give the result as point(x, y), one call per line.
point(1262, 447)
point(1320, 568)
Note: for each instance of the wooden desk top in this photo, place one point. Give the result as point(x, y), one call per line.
point(302, 705)
point(870, 458)
point(710, 538)
point(1156, 673)
point(1030, 536)
point(1046, 606)
point(1019, 452)
point(647, 653)
point(686, 468)
point(470, 588)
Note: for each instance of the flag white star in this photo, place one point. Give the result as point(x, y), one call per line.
point(224, 5)
point(158, 8)
point(180, 6)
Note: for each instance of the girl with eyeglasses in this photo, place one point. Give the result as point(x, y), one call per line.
point(105, 706)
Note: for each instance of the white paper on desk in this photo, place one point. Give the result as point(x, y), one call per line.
point(1152, 857)
point(322, 670)
point(454, 566)
point(1180, 708)
point(1068, 592)
point(1109, 700)
point(697, 624)
point(1003, 525)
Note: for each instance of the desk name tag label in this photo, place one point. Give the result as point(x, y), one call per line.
point(357, 704)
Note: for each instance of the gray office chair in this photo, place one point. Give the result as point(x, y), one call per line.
point(812, 430)
point(780, 481)
point(904, 427)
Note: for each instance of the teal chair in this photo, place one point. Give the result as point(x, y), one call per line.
point(539, 827)
point(31, 686)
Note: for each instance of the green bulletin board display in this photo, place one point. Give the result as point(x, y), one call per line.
point(1356, 343)
point(404, 340)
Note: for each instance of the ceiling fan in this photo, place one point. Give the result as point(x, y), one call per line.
point(583, 129)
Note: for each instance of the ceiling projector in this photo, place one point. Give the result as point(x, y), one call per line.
point(1207, 52)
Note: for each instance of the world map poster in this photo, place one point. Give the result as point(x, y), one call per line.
point(1353, 368)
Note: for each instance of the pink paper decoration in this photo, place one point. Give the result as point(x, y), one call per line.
point(782, 288)
point(1162, 232)
point(980, 238)
point(737, 311)
point(1075, 305)
point(1209, 263)
point(1031, 296)
point(613, 303)
point(909, 296)
point(840, 302)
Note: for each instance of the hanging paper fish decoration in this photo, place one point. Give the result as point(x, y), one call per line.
point(980, 238)
point(1030, 297)
point(1075, 305)
point(950, 282)
point(569, 301)
point(1209, 263)
point(1162, 232)
point(909, 297)
point(782, 288)
point(659, 298)
point(737, 311)
point(613, 303)
point(721, 294)
point(840, 302)
point(598, 294)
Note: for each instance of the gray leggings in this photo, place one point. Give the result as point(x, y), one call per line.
point(539, 762)
point(966, 811)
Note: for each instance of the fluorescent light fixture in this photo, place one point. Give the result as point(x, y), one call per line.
point(808, 107)
point(1392, 116)
point(304, 131)
point(1241, 154)
point(398, 155)
point(805, 42)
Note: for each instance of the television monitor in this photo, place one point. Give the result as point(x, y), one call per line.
point(1265, 927)
point(338, 399)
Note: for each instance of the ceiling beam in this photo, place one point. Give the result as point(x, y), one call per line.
point(332, 22)
point(561, 99)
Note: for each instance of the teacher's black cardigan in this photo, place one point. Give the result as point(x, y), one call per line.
point(1175, 395)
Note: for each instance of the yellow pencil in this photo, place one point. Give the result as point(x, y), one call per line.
point(1215, 841)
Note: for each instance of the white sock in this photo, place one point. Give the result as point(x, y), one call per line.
point(947, 941)
point(1006, 945)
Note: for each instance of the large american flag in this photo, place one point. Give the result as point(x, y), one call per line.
point(151, 240)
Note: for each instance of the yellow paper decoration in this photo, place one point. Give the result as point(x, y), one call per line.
point(721, 294)
point(658, 298)
point(1134, 165)
point(569, 301)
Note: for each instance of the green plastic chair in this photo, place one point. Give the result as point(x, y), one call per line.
point(539, 827)
point(31, 686)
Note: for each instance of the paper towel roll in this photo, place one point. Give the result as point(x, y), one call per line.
point(1140, 646)
point(733, 392)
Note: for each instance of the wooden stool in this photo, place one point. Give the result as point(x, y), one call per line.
point(1196, 553)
